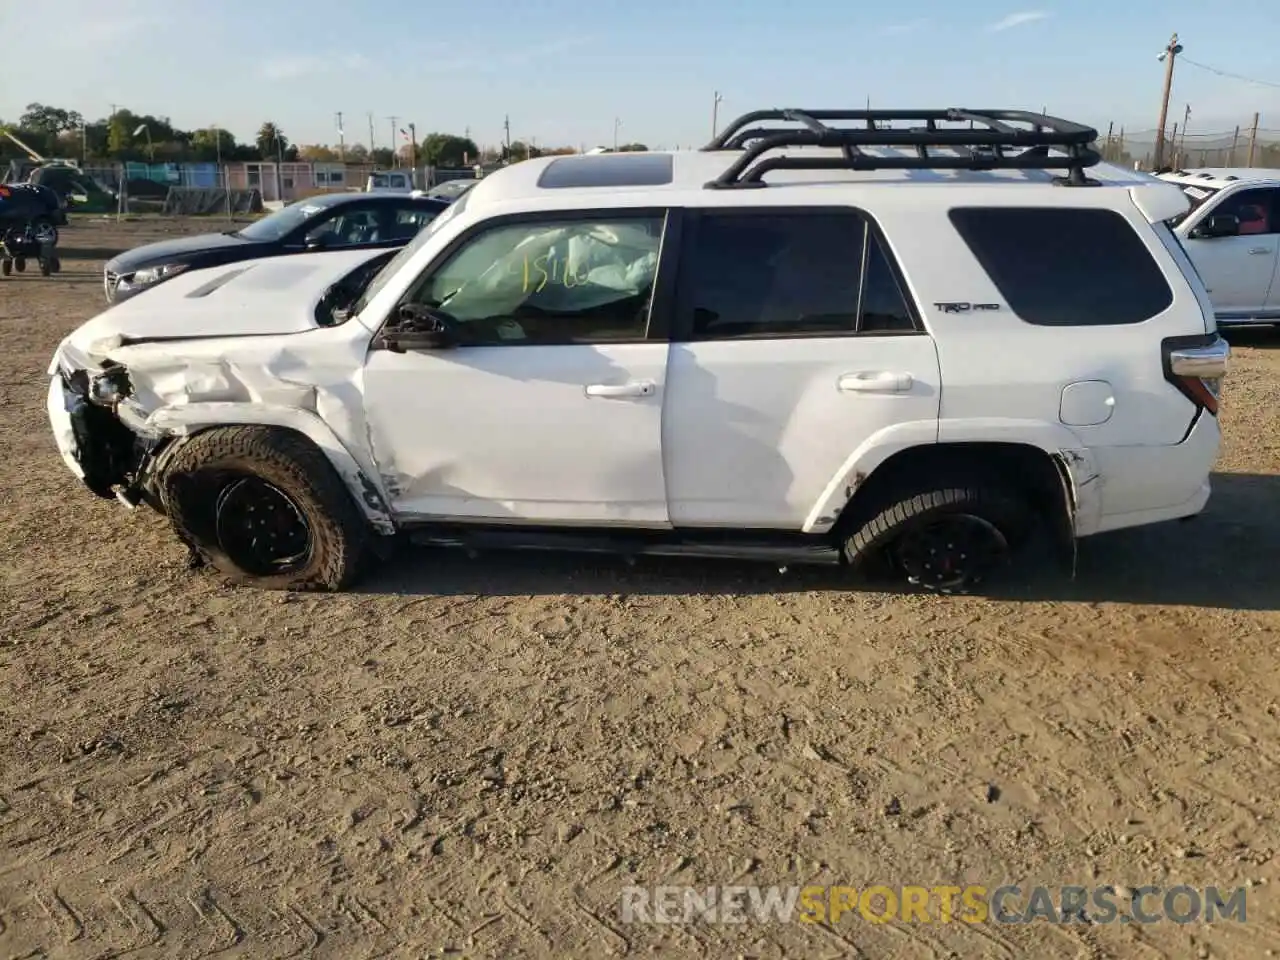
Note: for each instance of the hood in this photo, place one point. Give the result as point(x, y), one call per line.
point(175, 249)
point(269, 296)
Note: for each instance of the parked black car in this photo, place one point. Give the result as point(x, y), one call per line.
point(335, 221)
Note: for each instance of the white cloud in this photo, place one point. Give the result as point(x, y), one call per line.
point(291, 68)
point(907, 26)
point(1017, 20)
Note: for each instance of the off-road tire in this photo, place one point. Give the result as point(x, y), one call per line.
point(340, 535)
point(869, 547)
point(20, 264)
point(6, 266)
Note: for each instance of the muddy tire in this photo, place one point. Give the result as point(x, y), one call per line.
point(265, 507)
point(944, 539)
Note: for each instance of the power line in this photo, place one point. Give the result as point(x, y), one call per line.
point(1228, 73)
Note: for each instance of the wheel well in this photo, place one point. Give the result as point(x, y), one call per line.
point(1027, 469)
point(370, 501)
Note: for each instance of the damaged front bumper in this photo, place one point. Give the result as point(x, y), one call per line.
point(99, 436)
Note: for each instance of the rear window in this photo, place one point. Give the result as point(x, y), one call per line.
point(1064, 267)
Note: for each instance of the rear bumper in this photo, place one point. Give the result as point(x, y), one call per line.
point(1142, 485)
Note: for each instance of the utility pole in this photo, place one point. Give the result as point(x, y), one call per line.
point(1168, 55)
point(395, 153)
point(1235, 140)
point(1253, 139)
point(370, 133)
point(342, 143)
point(413, 154)
point(506, 138)
point(1106, 151)
point(1173, 144)
point(715, 113)
point(617, 122)
point(1186, 122)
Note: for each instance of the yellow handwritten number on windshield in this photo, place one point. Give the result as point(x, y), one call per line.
point(548, 268)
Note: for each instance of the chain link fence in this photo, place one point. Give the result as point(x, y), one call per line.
point(1230, 148)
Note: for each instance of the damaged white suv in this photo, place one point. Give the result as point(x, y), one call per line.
point(914, 340)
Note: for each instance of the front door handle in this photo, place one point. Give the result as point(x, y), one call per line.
point(1257, 251)
point(621, 391)
point(875, 381)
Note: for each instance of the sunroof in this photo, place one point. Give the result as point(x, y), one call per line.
point(608, 170)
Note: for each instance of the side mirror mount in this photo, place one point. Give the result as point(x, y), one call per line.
point(318, 241)
point(1219, 225)
point(417, 327)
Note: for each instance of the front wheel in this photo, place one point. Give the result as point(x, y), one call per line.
point(265, 507)
point(43, 231)
point(945, 539)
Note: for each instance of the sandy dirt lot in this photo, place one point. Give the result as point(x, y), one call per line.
point(474, 757)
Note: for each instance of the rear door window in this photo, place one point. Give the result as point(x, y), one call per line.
point(1065, 267)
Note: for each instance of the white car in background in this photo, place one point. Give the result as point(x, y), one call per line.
point(1232, 235)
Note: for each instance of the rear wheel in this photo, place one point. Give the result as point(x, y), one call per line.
point(20, 264)
point(265, 507)
point(945, 539)
point(6, 266)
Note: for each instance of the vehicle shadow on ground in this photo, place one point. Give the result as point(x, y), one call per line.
point(72, 252)
point(1227, 558)
point(1258, 338)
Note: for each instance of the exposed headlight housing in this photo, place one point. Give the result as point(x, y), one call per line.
point(109, 387)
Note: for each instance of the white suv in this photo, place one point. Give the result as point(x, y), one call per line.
point(1232, 234)
point(915, 341)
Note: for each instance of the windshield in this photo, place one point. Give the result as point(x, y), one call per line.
point(280, 224)
point(1197, 195)
point(406, 252)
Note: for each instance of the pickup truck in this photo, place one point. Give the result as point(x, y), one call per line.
point(1231, 234)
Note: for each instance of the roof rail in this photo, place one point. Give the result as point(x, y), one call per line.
point(982, 146)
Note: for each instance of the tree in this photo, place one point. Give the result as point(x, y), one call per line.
point(633, 148)
point(49, 120)
point(382, 156)
point(208, 143)
point(449, 150)
point(119, 136)
point(271, 142)
point(318, 153)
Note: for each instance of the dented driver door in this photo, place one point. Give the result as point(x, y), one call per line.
point(544, 403)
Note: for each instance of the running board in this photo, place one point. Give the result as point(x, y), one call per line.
point(797, 549)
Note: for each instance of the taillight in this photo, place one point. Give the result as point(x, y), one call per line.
point(1196, 365)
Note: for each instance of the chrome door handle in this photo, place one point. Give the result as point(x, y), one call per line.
point(1255, 251)
point(875, 381)
point(621, 391)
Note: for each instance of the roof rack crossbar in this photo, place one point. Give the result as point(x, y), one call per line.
point(986, 143)
point(998, 120)
point(754, 176)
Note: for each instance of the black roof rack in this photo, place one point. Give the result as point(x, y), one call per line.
point(983, 145)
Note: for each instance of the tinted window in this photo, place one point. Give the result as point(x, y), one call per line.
point(555, 282)
point(1255, 209)
point(1065, 267)
point(788, 274)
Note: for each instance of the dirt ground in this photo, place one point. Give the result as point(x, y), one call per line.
point(474, 757)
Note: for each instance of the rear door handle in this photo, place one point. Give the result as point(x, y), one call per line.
point(875, 381)
point(621, 391)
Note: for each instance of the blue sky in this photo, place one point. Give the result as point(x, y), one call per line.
point(565, 69)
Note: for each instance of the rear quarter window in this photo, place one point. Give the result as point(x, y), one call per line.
point(1063, 267)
